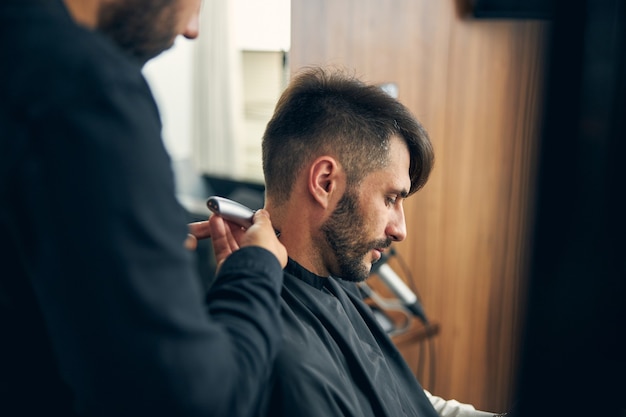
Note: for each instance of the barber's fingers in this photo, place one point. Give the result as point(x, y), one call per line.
point(200, 230)
point(223, 242)
point(262, 234)
point(228, 237)
point(191, 243)
point(197, 231)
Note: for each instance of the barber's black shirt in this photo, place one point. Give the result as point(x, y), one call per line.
point(101, 311)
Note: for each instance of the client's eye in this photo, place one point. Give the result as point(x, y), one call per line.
point(390, 201)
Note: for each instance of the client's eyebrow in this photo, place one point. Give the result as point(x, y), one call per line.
point(402, 193)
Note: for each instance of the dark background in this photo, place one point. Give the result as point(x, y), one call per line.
point(574, 344)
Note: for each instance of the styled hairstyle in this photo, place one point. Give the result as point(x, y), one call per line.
point(328, 112)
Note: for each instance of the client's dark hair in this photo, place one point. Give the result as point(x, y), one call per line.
point(330, 112)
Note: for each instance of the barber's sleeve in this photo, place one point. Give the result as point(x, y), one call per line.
point(121, 297)
point(453, 408)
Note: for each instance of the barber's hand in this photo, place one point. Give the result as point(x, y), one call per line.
point(197, 231)
point(227, 237)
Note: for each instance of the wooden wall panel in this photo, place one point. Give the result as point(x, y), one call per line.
point(476, 85)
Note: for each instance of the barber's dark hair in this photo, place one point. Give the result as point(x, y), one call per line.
point(326, 111)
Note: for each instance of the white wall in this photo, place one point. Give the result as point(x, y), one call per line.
point(263, 25)
point(170, 76)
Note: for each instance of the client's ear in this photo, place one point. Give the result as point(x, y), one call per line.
point(325, 179)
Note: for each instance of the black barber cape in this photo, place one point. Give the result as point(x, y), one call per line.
point(336, 360)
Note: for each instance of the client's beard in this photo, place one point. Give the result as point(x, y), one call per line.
point(343, 233)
